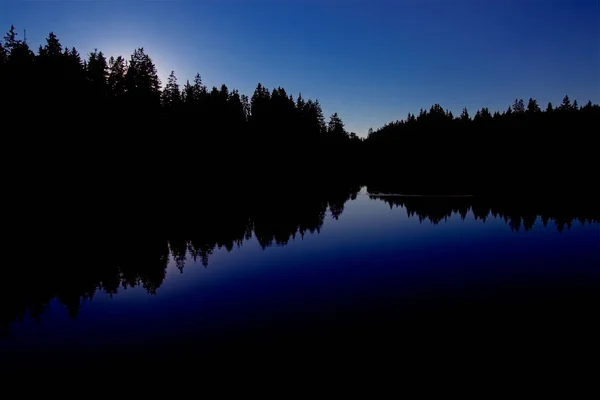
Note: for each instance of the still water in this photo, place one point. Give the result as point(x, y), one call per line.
point(365, 267)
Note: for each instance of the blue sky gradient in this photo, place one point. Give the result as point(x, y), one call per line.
point(371, 61)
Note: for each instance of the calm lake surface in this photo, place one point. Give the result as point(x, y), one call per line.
point(375, 272)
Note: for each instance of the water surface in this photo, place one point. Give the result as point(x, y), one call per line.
point(357, 268)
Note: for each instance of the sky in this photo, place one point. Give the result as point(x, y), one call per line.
point(370, 61)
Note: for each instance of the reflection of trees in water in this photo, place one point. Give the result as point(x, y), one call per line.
point(517, 213)
point(120, 261)
point(125, 261)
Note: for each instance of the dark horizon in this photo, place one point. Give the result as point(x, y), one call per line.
point(372, 62)
point(171, 84)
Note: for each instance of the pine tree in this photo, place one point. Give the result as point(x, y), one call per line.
point(116, 76)
point(518, 106)
point(10, 40)
point(335, 126)
point(464, 115)
point(97, 74)
point(141, 80)
point(532, 106)
point(171, 95)
point(566, 104)
point(53, 48)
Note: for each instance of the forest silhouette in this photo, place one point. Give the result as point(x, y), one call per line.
point(95, 126)
point(107, 161)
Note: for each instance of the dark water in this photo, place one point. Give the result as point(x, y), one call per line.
point(377, 276)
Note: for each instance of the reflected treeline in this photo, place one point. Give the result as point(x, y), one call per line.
point(518, 212)
point(73, 264)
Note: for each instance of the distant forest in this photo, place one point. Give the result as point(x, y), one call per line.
point(112, 118)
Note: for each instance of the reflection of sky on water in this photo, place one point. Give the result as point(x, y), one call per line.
point(372, 254)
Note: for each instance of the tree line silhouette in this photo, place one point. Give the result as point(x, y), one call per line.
point(523, 150)
point(125, 115)
point(107, 124)
point(79, 267)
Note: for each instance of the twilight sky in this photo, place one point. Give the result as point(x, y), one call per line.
point(372, 61)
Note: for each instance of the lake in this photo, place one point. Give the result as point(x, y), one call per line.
point(354, 271)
